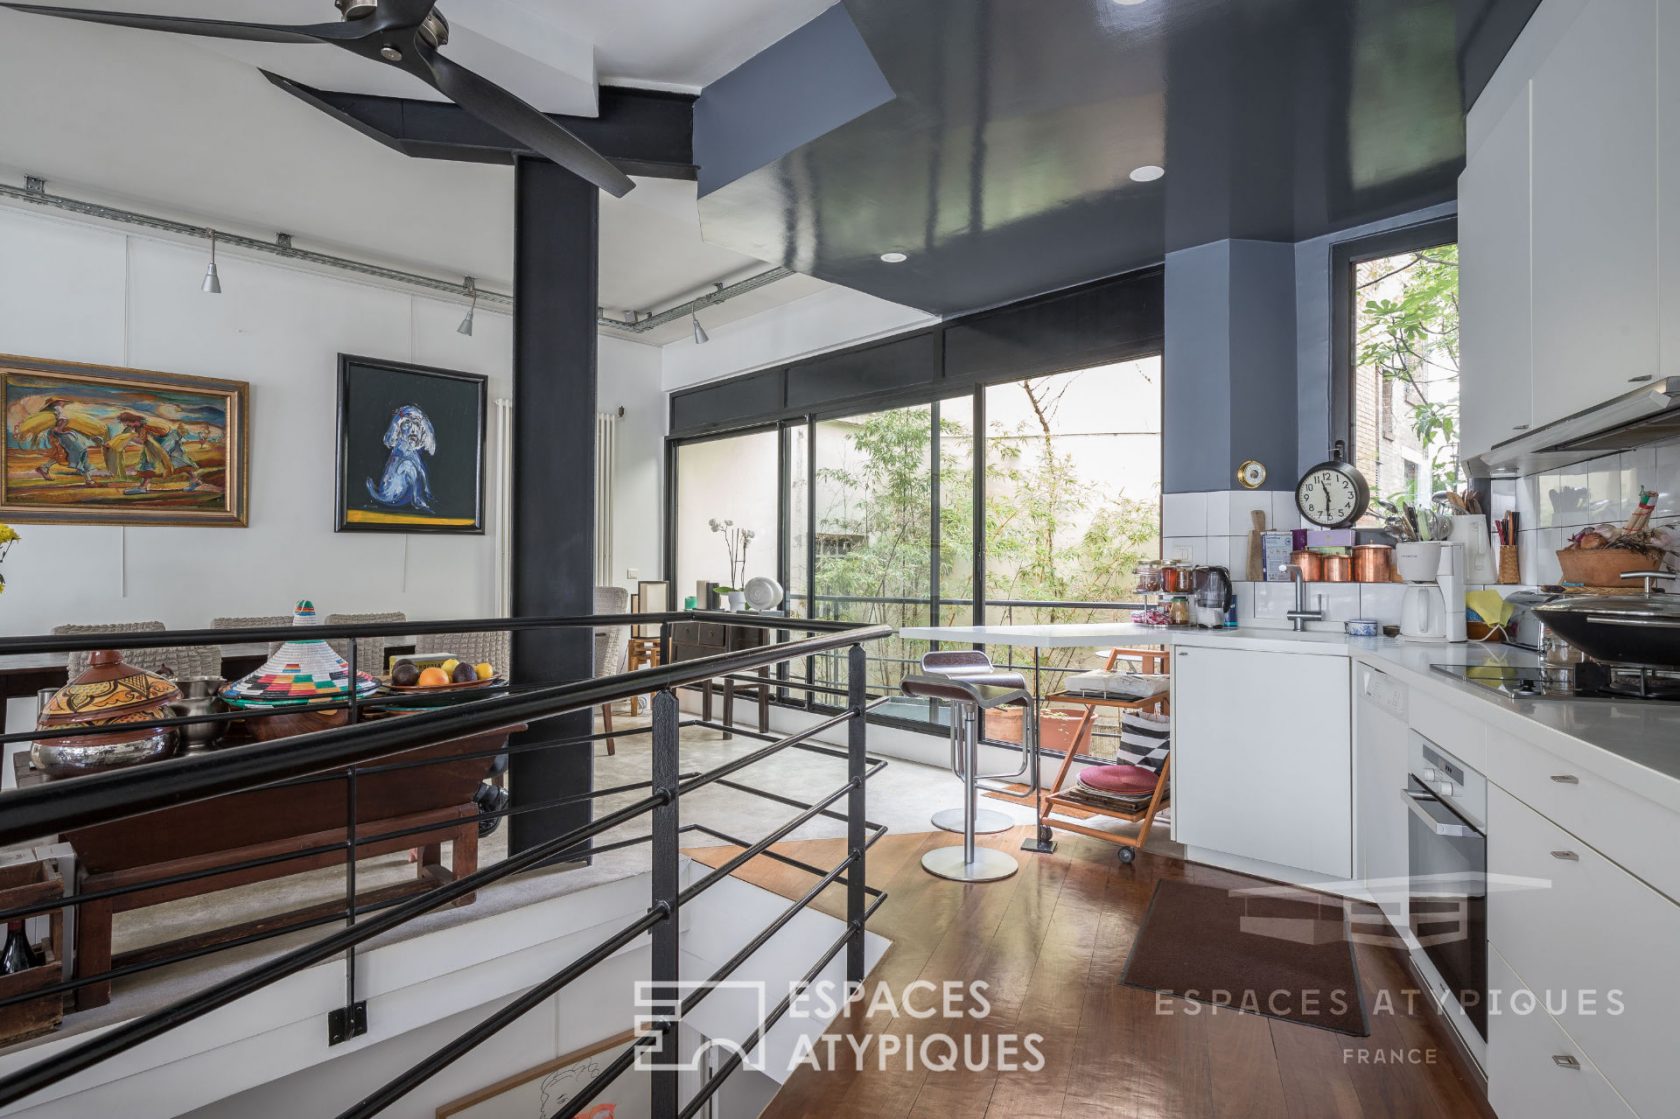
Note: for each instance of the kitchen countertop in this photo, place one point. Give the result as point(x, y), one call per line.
point(1072, 636)
point(1635, 743)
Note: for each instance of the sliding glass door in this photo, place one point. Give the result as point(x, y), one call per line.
point(874, 516)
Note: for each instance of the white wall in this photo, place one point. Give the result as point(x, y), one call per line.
point(629, 378)
point(75, 291)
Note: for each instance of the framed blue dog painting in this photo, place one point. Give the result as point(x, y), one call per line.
point(410, 448)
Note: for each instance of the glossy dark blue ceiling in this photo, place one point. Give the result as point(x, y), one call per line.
point(1001, 161)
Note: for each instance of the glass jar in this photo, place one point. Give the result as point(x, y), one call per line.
point(1178, 611)
point(1149, 577)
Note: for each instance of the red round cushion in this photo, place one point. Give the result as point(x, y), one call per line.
point(1119, 778)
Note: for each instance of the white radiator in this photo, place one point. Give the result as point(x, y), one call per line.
point(502, 517)
point(606, 470)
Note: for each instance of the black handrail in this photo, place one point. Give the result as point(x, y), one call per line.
point(102, 797)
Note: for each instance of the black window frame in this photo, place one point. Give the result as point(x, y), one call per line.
point(1344, 256)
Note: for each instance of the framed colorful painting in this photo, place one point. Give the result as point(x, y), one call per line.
point(96, 444)
point(410, 448)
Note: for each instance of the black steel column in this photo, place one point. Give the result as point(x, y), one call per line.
point(556, 234)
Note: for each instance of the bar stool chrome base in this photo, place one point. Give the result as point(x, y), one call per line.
point(985, 821)
point(988, 866)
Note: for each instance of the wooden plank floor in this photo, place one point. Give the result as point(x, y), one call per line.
point(1051, 943)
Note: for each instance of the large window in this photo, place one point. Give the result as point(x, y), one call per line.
point(730, 482)
point(1401, 376)
point(879, 519)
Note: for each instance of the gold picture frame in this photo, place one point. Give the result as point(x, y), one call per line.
point(107, 445)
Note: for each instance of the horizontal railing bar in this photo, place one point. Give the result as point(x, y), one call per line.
point(418, 1073)
point(98, 798)
point(126, 1036)
point(178, 638)
point(715, 1081)
point(776, 746)
point(731, 965)
point(695, 889)
point(791, 802)
point(332, 918)
point(789, 860)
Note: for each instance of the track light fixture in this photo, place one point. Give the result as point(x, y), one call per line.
point(472, 305)
point(212, 281)
point(700, 335)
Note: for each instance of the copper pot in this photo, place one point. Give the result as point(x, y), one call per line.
point(1311, 565)
point(1338, 569)
point(1373, 563)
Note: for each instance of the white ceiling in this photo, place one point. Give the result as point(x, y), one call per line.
point(191, 129)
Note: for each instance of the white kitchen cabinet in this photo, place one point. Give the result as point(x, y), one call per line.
point(1262, 757)
point(1496, 353)
point(1594, 192)
point(1595, 942)
point(1379, 774)
point(1535, 1070)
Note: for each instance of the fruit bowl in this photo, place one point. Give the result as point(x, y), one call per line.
point(436, 689)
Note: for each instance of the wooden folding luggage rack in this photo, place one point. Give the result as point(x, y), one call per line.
point(1154, 662)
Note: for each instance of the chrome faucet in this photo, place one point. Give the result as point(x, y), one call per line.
point(1300, 616)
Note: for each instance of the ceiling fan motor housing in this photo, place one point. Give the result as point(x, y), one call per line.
point(434, 29)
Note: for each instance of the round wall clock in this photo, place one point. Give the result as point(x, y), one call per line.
point(1252, 474)
point(1333, 494)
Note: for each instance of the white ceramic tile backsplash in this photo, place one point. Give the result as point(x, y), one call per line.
point(1240, 503)
point(1606, 491)
point(1184, 514)
point(1381, 601)
point(1184, 549)
point(1285, 514)
point(1218, 513)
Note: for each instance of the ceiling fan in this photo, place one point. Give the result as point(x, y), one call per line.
point(407, 34)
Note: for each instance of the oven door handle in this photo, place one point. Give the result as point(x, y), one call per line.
point(1414, 801)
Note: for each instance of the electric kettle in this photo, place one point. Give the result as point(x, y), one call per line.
point(1213, 597)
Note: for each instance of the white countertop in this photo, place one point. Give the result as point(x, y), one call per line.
point(1635, 743)
point(1071, 636)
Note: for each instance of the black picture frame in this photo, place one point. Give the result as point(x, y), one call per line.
point(441, 490)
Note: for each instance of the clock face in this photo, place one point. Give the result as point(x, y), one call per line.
point(1328, 498)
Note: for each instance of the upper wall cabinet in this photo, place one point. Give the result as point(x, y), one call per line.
point(1594, 192)
point(1668, 184)
point(1495, 325)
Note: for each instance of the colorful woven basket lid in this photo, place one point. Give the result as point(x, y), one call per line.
point(301, 670)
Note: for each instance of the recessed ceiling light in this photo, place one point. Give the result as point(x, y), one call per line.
point(1148, 173)
point(893, 258)
point(1128, 3)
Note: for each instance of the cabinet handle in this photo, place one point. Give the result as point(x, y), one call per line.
point(1564, 1060)
point(1566, 856)
point(1639, 380)
point(1566, 779)
point(1520, 427)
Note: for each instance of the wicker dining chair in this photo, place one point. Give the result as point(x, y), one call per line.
point(181, 663)
point(370, 651)
point(479, 647)
point(264, 621)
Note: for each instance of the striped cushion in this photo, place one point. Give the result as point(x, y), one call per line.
point(1144, 740)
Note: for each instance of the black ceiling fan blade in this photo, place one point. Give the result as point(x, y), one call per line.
point(500, 109)
point(212, 28)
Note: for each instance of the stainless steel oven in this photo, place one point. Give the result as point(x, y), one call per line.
point(1446, 843)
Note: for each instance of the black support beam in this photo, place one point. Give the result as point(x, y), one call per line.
point(556, 217)
point(644, 132)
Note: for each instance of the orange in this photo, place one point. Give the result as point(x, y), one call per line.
point(433, 677)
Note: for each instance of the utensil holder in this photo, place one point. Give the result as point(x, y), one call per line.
point(1509, 570)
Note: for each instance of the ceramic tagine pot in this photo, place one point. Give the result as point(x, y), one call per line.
point(106, 698)
point(303, 671)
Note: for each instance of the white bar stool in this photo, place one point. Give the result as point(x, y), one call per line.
point(976, 667)
point(968, 862)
